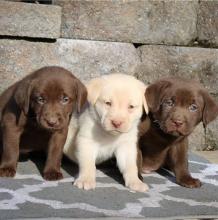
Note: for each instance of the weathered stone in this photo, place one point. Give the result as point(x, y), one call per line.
point(194, 63)
point(150, 22)
point(205, 139)
point(207, 25)
point(85, 59)
point(211, 140)
point(29, 20)
point(197, 138)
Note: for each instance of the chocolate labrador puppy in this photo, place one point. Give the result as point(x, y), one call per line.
point(34, 115)
point(176, 106)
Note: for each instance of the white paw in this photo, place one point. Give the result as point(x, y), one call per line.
point(137, 185)
point(86, 183)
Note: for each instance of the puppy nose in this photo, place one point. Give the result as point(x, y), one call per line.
point(177, 122)
point(52, 121)
point(116, 123)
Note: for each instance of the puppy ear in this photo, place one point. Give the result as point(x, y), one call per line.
point(210, 110)
point(154, 94)
point(145, 105)
point(81, 95)
point(94, 87)
point(22, 94)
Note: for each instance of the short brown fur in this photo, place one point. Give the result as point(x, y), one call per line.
point(176, 106)
point(35, 114)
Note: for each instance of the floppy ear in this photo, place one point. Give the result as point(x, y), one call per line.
point(154, 94)
point(94, 87)
point(145, 104)
point(81, 95)
point(143, 89)
point(22, 95)
point(210, 110)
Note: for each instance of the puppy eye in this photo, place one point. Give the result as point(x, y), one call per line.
point(40, 100)
point(108, 103)
point(64, 100)
point(169, 102)
point(131, 107)
point(193, 107)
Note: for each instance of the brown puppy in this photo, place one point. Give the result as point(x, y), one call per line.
point(176, 106)
point(35, 114)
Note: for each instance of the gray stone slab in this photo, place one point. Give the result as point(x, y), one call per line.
point(195, 63)
point(29, 20)
point(150, 22)
point(86, 59)
point(207, 25)
point(212, 135)
point(197, 139)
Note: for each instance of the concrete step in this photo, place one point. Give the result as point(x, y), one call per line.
point(207, 25)
point(85, 59)
point(149, 22)
point(29, 20)
point(146, 22)
point(200, 64)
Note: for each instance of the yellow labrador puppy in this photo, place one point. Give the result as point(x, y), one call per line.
point(108, 127)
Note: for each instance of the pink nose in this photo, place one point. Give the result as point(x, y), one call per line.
point(52, 122)
point(177, 122)
point(116, 123)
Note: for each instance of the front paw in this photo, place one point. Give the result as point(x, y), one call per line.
point(189, 182)
point(7, 172)
point(137, 185)
point(86, 183)
point(53, 175)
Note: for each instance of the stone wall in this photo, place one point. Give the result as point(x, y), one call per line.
point(148, 39)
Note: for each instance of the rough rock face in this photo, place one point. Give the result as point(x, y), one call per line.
point(29, 20)
point(197, 138)
point(150, 22)
point(207, 24)
point(195, 63)
point(85, 59)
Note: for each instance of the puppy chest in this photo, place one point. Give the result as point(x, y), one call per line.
point(34, 138)
point(105, 152)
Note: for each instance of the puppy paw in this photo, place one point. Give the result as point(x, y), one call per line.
point(53, 175)
point(86, 183)
point(189, 182)
point(7, 172)
point(148, 169)
point(137, 186)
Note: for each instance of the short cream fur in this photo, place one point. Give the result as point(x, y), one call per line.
point(108, 127)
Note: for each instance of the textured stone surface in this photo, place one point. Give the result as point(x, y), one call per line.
point(207, 24)
point(29, 20)
point(155, 22)
point(211, 140)
point(84, 58)
point(197, 138)
point(195, 63)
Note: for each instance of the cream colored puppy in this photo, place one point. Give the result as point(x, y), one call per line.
point(108, 127)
